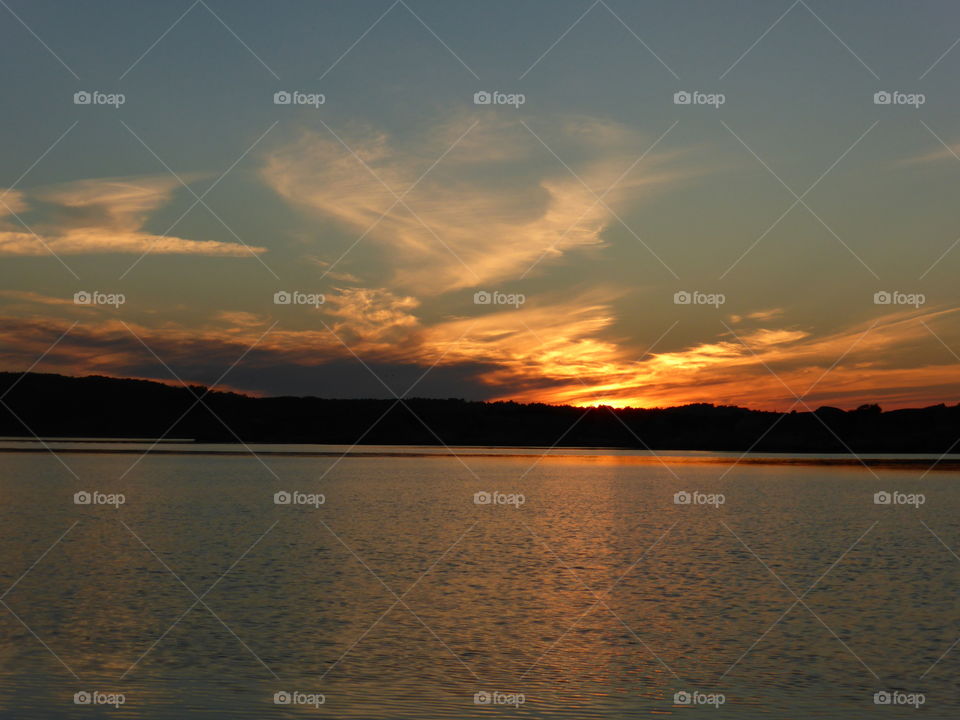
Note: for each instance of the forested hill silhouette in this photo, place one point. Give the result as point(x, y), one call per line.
point(60, 406)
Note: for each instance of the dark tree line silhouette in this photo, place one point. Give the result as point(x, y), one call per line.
point(60, 406)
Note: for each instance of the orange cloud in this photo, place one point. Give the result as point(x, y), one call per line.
point(537, 354)
point(765, 368)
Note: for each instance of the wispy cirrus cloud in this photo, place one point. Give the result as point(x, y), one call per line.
point(11, 202)
point(943, 150)
point(758, 315)
point(486, 211)
point(99, 216)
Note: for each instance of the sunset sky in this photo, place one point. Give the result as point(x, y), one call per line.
point(399, 198)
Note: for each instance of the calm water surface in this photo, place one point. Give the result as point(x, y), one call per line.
point(598, 596)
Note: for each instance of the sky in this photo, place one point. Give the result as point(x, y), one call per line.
point(786, 239)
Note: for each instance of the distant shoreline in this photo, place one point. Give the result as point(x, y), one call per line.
point(102, 409)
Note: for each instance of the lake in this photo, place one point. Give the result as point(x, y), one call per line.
point(204, 582)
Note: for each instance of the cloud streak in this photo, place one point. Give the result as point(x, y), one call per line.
point(485, 212)
point(100, 216)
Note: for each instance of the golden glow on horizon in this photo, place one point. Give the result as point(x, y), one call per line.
point(561, 362)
